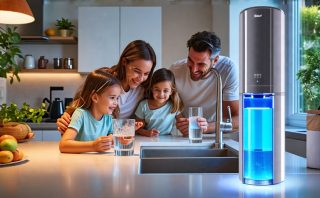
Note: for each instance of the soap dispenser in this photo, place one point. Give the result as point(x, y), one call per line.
point(262, 96)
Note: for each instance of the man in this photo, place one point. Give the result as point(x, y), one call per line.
point(196, 84)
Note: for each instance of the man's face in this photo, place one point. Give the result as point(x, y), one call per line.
point(199, 63)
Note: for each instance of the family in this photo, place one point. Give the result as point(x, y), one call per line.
point(157, 100)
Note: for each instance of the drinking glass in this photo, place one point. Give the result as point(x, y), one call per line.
point(123, 135)
point(195, 132)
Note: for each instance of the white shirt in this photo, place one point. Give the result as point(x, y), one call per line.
point(202, 93)
point(129, 100)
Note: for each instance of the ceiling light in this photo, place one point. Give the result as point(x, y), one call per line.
point(15, 12)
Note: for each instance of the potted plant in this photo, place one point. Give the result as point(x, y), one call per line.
point(65, 27)
point(13, 119)
point(9, 52)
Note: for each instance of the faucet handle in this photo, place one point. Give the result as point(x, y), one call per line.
point(229, 119)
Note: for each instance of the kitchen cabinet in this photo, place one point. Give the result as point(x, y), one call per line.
point(51, 135)
point(37, 135)
point(46, 135)
point(105, 31)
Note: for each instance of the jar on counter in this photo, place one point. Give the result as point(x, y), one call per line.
point(57, 63)
point(68, 63)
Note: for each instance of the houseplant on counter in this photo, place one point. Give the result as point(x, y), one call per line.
point(13, 119)
point(9, 52)
point(65, 27)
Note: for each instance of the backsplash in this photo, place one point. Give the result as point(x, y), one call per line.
point(33, 88)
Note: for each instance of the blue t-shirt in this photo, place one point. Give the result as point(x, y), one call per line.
point(161, 119)
point(88, 127)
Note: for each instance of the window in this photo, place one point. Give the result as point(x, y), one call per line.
point(303, 25)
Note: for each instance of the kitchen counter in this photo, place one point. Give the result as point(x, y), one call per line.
point(48, 173)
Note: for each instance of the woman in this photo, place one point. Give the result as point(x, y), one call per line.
point(133, 70)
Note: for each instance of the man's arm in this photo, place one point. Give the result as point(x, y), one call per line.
point(234, 107)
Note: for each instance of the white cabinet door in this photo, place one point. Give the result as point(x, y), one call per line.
point(98, 32)
point(51, 135)
point(142, 23)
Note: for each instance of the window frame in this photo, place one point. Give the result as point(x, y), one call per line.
point(293, 116)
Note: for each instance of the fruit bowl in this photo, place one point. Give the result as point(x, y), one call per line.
point(24, 160)
point(16, 129)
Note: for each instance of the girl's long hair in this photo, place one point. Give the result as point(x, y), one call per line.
point(161, 75)
point(95, 82)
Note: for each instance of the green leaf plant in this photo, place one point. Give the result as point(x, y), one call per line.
point(11, 113)
point(9, 53)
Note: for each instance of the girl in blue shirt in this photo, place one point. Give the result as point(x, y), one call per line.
point(159, 111)
point(90, 129)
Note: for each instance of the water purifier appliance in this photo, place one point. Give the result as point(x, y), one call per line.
point(262, 95)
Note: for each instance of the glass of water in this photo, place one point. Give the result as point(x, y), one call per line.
point(123, 136)
point(195, 132)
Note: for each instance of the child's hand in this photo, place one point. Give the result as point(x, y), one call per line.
point(202, 123)
point(111, 137)
point(183, 125)
point(138, 125)
point(102, 144)
point(126, 140)
point(152, 133)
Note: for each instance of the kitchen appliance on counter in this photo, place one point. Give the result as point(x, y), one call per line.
point(29, 62)
point(42, 62)
point(262, 95)
point(55, 108)
point(67, 102)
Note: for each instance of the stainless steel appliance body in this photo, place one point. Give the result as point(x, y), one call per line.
point(262, 96)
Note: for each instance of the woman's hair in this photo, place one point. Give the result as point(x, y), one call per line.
point(135, 50)
point(166, 75)
point(96, 82)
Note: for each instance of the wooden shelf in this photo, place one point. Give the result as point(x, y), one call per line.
point(72, 40)
point(49, 71)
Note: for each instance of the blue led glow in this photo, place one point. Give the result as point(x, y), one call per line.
point(257, 136)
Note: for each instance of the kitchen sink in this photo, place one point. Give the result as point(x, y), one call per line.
point(157, 159)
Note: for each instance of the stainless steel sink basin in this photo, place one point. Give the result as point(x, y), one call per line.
point(187, 160)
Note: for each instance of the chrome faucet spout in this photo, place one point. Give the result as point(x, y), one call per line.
point(220, 126)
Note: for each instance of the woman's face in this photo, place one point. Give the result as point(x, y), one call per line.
point(136, 73)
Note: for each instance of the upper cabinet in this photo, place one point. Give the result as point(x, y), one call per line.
point(105, 31)
point(141, 23)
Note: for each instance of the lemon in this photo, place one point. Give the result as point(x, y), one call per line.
point(6, 156)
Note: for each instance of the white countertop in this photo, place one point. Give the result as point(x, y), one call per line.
point(48, 173)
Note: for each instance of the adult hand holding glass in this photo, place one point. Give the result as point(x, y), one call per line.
point(183, 124)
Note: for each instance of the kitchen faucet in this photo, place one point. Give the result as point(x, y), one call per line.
point(220, 125)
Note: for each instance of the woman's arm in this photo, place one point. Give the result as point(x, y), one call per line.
point(68, 144)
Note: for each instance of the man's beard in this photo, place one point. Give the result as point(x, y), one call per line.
point(204, 75)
